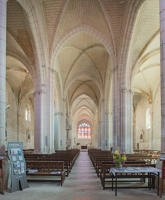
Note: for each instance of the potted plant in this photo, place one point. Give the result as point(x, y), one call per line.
point(119, 159)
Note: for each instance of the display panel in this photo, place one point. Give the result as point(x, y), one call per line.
point(18, 166)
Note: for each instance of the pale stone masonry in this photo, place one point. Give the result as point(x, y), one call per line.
point(3, 4)
point(162, 49)
point(97, 60)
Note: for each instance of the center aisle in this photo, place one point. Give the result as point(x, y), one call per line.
point(83, 177)
point(85, 185)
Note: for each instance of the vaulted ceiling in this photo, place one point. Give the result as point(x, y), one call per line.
point(145, 51)
point(83, 59)
point(82, 63)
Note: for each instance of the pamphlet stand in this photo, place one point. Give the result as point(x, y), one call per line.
point(18, 166)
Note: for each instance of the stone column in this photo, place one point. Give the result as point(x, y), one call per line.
point(49, 118)
point(63, 125)
point(99, 135)
point(102, 135)
point(162, 69)
point(116, 107)
point(107, 131)
point(103, 142)
point(57, 137)
point(38, 119)
point(3, 5)
point(44, 116)
point(95, 136)
point(59, 130)
point(134, 129)
point(127, 120)
point(68, 132)
point(122, 113)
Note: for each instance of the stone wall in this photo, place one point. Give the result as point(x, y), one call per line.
point(148, 137)
point(11, 115)
point(157, 121)
point(17, 127)
point(26, 126)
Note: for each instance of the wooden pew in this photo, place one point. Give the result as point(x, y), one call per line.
point(68, 157)
point(44, 168)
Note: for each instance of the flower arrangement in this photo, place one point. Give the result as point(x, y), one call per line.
point(119, 159)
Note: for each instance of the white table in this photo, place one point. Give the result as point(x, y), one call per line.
point(135, 172)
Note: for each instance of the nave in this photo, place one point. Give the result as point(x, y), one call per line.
point(80, 74)
point(82, 184)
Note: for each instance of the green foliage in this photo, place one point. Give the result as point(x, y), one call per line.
point(118, 158)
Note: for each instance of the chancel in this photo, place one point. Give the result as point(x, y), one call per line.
point(82, 91)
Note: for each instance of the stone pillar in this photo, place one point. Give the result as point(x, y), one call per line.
point(44, 116)
point(3, 5)
point(134, 129)
point(68, 132)
point(103, 142)
point(116, 111)
point(63, 126)
point(107, 131)
point(127, 120)
point(63, 133)
point(99, 134)
point(49, 117)
point(95, 136)
point(162, 69)
point(122, 113)
point(57, 137)
point(38, 119)
point(102, 135)
point(59, 131)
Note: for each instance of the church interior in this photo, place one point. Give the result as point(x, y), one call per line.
point(81, 80)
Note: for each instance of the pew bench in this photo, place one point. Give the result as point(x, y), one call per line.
point(68, 157)
point(48, 158)
point(40, 170)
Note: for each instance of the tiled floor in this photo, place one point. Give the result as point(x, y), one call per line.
point(82, 184)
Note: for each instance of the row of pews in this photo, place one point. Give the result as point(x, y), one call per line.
point(58, 164)
point(147, 152)
point(103, 161)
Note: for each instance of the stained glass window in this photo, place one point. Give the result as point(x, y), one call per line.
point(84, 130)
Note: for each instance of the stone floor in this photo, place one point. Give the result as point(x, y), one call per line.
point(82, 184)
